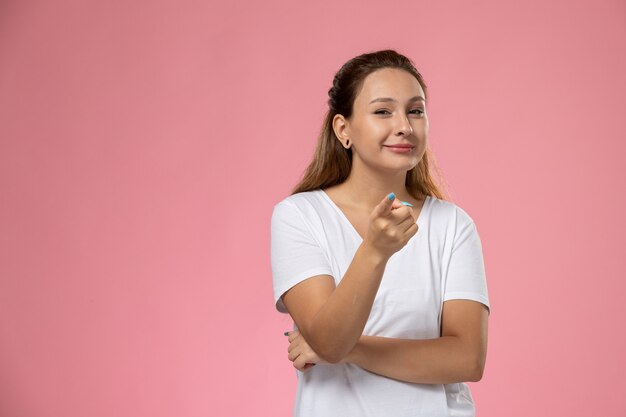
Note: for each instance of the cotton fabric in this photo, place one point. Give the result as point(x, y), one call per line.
point(310, 236)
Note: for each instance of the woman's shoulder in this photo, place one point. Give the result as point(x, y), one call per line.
point(448, 212)
point(306, 210)
point(305, 204)
point(301, 198)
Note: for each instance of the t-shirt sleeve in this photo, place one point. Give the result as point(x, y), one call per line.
point(466, 272)
point(295, 253)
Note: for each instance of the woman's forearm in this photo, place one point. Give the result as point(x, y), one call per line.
point(443, 360)
point(339, 323)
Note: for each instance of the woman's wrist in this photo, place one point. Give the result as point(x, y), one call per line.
point(374, 256)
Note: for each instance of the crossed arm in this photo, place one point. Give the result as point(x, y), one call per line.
point(315, 303)
point(459, 355)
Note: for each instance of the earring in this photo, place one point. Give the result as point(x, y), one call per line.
point(347, 143)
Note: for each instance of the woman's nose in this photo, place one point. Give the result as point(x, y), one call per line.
point(405, 126)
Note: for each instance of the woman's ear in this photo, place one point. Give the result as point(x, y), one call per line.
point(340, 127)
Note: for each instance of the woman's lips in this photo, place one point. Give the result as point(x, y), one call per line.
point(400, 148)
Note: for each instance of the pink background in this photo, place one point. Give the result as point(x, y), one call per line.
point(144, 144)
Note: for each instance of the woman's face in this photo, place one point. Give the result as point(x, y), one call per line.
point(389, 110)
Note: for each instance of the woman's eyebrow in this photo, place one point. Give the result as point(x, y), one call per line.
point(412, 99)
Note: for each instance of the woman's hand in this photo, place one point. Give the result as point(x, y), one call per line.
point(391, 225)
point(300, 353)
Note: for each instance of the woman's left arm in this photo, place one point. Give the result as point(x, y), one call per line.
point(459, 355)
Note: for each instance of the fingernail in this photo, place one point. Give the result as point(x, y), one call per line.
point(407, 204)
point(286, 333)
point(391, 196)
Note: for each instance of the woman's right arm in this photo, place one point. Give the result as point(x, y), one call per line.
point(331, 319)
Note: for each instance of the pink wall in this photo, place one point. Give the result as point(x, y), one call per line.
point(143, 145)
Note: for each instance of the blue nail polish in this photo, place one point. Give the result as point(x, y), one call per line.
point(391, 196)
point(286, 333)
point(407, 204)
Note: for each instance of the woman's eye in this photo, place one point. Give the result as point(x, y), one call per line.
point(419, 112)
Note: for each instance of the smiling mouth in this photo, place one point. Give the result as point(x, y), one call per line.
point(399, 147)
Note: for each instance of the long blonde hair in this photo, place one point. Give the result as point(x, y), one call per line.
point(331, 162)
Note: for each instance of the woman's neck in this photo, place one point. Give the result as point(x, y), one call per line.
point(366, 190)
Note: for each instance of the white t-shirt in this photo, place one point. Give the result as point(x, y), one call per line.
point(311, 236)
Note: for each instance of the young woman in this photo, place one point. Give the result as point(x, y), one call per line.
point(383, 277)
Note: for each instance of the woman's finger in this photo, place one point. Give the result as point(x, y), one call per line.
point(293, 345)
point(293, 335)
point(293, 354)
point(299, 363)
